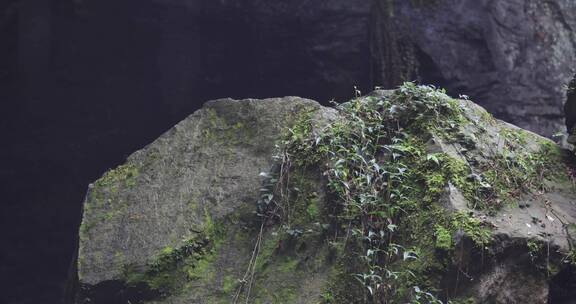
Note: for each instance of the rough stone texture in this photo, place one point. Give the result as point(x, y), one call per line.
point(513, 57)
point(509, 276)
point(552, 208)
point(204, 169)
point(509, 283)
point(207, 170)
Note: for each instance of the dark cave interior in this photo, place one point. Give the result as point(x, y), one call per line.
point(82, 88)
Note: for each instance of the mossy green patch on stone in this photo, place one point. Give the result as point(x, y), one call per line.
point(122, 175)
point(229, 284)
point(219, 130)
point(173, 267)
point(472, 227)
point(443, 238)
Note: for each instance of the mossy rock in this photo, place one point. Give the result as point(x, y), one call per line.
point(179, 216)
point(257, 200)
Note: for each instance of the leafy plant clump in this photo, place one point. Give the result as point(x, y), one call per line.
point(387, 186)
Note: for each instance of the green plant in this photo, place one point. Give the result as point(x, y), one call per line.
point(443, 238)
point(383, 179)
point(472, 227)
point(385, 187)
point(534, 248)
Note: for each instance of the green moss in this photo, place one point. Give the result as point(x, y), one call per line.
point(201, 269)
point(267, 251)
point(512, 174)
point(472, 227)
point(387, 189)
point(443, 238)
point(299, 135)
point(229, 284)
point(462, 301)
point(342, 287)
point(217, 130)
point(514, 137)
point(102, 203)
point(125, 175)
point(278, 275)
point(378, 170)
point(534, 248)
point(287, 265)
point(327, 297)
point(486, 117)
point(173, 267)
point(312, 210)
point(435, 183)
point(501, 178)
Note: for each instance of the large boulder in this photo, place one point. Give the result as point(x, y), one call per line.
point(179, 213)
point(285, 201)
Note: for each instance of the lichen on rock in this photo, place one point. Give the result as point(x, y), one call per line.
point(398, 196)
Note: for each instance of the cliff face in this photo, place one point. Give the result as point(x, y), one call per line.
point(515, 58)
point(396, 196)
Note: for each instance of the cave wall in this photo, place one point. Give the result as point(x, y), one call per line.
point(515, 58)
point(84, 83)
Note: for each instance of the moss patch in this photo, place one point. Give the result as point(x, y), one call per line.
point(171, 270)
point(218, 130)
point(122, 175)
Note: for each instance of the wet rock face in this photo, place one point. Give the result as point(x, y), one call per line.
point(513, 57)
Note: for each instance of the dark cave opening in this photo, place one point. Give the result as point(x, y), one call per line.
point(570, 105)
point(116, 292)
point(83, 88)
point(429, 73)
point(563, 287)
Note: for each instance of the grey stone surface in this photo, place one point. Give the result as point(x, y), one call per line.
point(540, 216)
point(505, 272)
point(513, 57)
point(207, 166)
